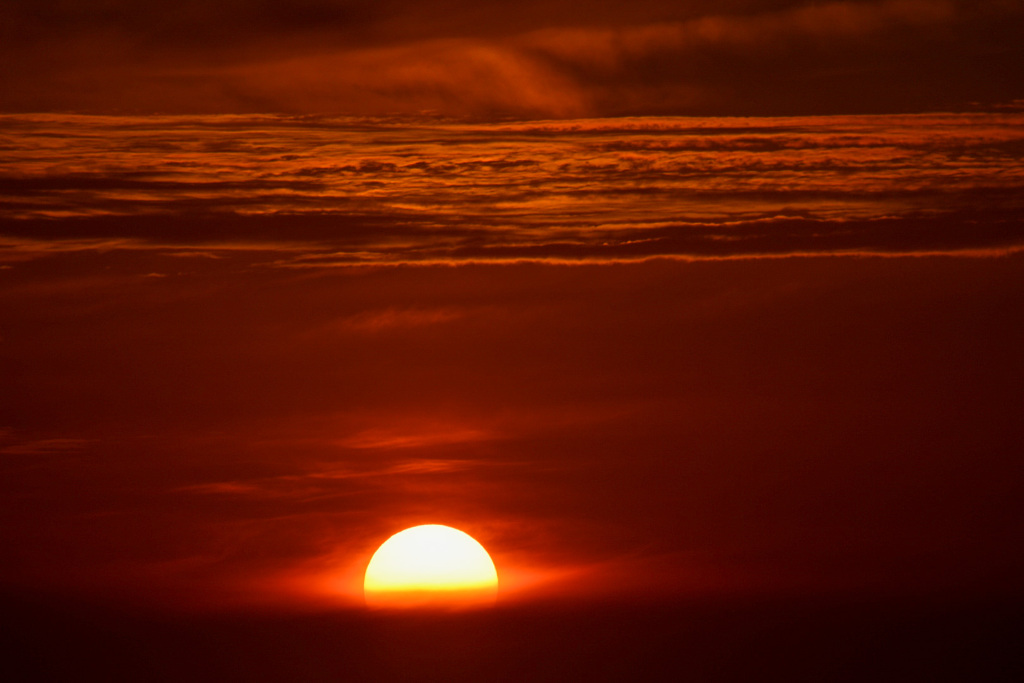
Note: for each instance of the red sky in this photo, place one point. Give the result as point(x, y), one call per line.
point(681, 299)
point(533, 58)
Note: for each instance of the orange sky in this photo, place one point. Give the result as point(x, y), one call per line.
point(666, 299)
point(744, 425)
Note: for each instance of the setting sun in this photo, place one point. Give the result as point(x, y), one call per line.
point(430, 564)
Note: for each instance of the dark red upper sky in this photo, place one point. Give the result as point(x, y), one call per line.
point(553, 58)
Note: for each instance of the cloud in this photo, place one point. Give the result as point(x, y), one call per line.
point(377, 321)
point(51, 446)
point(389, 439)
point(337, 481)
point(534, 74)
point(495, 61)
point(613, 48)
point(316, 192)
point(463, 76)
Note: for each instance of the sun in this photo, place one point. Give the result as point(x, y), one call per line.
point(430, 565)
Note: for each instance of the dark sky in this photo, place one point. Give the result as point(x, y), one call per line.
point(533, 59)
point(656, 300)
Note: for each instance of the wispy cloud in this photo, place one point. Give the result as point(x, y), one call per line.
point(470, 76)
point(528, 60)
point(391, 318)
point(329, 482)
point(13, 445)
point(392, 439)
point(612, 48)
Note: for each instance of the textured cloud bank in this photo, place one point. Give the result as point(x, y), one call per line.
point(322, 191)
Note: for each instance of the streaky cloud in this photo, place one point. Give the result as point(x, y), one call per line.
point(327, 191)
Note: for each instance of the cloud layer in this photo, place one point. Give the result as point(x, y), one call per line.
point(317, 192)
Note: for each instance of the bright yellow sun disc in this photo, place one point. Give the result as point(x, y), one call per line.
point(430, 565)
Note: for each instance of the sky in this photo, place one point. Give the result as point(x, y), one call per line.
point(658, 301)
point(533, 59)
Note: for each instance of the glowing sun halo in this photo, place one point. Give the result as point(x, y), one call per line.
point(430, 565)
